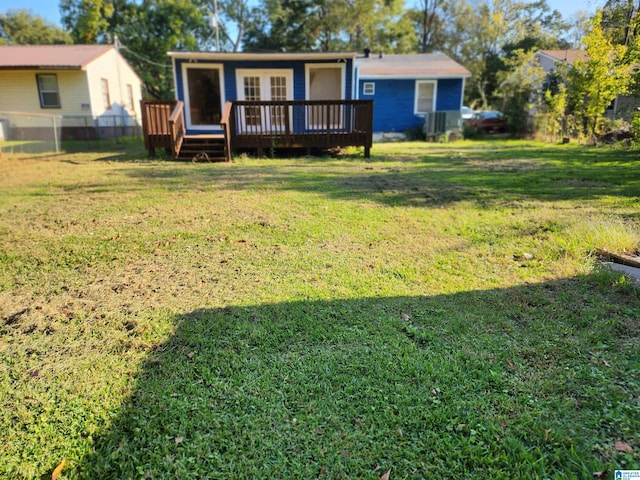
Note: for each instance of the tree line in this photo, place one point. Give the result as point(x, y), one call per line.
point(494, 39)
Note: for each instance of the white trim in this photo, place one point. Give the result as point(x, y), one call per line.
point(307, 70)
point(425, 76)
point(309, 66)
point(262, 56)
point(368, 84)
point(185, 91)
point(415, 98)
point(263, 72)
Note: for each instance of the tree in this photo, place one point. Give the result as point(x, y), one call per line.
point(596, 81)
point(330, 25)
point(21, 27)
point(287, 26)
point(621, 20)
point(146, 30)
point(230, 19)
point(519, 88)
point(157, 27)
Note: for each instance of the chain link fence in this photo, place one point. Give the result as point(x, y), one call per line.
point(38, 133)
point(30, 132)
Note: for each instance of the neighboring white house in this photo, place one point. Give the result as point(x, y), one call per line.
point(622, 107)
point(92, 87)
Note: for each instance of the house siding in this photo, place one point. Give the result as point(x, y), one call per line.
point(230, 68)
point(394, 101)
point(19, 92)
point(119, 74)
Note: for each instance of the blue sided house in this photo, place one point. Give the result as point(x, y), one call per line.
point(406, 89)
point(257, 101)
point(206, 81)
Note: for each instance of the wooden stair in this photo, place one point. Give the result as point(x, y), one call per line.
point(203, 148)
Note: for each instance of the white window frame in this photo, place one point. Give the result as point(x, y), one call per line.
point(417, 91)
point(368, 88)
point(316, 66)
point(41, 91)
point(130, 103)
point(264, 73)
point(185, 89)
point(106, 97)
point(307, 77)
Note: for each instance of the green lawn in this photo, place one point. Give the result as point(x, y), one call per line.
point(435, 310)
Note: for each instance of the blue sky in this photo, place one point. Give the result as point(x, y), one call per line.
point(49, 8)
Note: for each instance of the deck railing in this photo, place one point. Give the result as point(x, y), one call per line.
point(264, 125)
point(177, 129)
point(163, 125)
point(298, 124)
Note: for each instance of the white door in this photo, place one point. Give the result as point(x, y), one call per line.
point(267, 85)
point(325, 83)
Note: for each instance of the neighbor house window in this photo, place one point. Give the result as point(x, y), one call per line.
point(48, 90)
point(368, 88)
point(425, 96)
point(130, 97)
point(106, 101)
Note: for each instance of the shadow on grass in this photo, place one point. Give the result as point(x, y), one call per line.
point(528, 382)
point(442, 176)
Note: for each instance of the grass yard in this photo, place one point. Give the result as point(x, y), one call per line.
point(436, 311)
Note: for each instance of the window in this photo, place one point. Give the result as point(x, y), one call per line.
point(368, 88)
point(130, 97)
point(48, 90)
point(425, 96)
point(106, 101)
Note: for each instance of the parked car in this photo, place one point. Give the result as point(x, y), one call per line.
point(467, 113)
point(489, 121)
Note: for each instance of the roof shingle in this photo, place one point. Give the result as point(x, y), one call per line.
point(420, 64)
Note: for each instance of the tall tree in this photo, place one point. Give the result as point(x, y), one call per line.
point(22, 27)
point(157, 27)
point(596, 81)
point(621, 20)
point(287, 26)
point(428, 20)
point(146, 29)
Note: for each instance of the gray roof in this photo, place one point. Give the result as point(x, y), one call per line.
point(411, 65)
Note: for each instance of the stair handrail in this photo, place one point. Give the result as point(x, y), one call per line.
point(177, 128)
point(228, 123)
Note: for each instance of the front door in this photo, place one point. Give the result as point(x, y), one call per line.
point(203, 96)
point(269, 85)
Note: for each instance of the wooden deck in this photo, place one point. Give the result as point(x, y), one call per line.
point(261, 126)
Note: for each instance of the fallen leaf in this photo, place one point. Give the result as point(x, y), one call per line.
point(434, 392)
point(405, 317)
point(400, 431)
point(606, 364)
point(601, 474)
point(623, 447)
point(546, 435)
point(178, 439)
point(321, 472)
point(385, 475)
point(58, 469)
point(511, 364)
point(191, 354)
